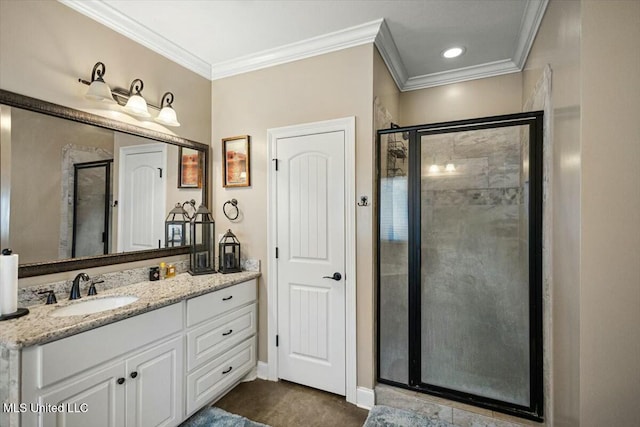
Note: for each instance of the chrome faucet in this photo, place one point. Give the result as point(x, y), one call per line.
point(75, 288)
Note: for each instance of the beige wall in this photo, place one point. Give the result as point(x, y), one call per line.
point(384, 87)
point(467, 100)
point(558, 44)
point(610, 212)
point(320, 88)
point(45, 47)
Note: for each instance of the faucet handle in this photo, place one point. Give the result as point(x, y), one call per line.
point(51, 296)
point(92, 288)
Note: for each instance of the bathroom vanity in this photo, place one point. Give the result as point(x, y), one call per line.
point(182, 344)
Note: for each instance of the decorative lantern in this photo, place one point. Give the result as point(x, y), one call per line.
point(175, 227)
point(229, 254)
point(203, 229)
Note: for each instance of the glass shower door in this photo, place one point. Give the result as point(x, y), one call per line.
point(474, 269)
point(460, 261)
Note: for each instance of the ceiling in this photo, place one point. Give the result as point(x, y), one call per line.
point(221, 38)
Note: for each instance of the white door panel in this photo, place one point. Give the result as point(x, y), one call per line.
point(142, 197)
point(311, 243)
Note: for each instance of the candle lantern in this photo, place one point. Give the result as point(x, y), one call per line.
point(202, 235)
point(175, 227)
point(229, 254)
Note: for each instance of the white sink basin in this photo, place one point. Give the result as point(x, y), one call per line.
point(94, 306)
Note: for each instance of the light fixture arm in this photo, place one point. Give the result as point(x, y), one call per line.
point(168, 99)
point(98, 72)
point(136, 85)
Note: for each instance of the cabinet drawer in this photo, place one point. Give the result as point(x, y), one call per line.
point(211, 380)
point(217, 336)
point(208, 306)
point(60, 359)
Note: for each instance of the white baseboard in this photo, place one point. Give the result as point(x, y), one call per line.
point(365, 398)
point(251, 375)
point(263, 370)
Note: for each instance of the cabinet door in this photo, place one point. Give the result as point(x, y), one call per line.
point(95, 399)
point(154, 386)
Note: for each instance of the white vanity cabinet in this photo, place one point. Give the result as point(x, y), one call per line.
point(153, 369)
point(127, 373)
point(221, 343)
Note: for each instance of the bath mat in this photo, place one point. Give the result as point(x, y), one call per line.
point(385, 416)
point(213, 416)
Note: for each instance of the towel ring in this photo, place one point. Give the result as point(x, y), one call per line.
point(234, 203)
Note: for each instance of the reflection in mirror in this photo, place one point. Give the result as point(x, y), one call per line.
point(79, 190)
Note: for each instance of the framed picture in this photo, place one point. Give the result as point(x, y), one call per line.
point(189, 168)
point(235, 161)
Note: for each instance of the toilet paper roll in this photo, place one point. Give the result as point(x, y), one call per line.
point(8, 283)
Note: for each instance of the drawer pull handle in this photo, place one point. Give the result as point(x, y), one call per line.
point(120, 381)
point(228, 370)
point(227, 298)
point(224, 334)
point(134, 374)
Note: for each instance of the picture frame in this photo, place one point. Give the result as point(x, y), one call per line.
point(189, 168)
point(236, 161)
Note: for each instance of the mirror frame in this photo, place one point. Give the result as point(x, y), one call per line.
point(12, 99)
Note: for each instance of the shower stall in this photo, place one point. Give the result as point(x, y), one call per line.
point(459, 303)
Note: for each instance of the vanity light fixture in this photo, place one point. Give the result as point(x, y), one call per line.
point(167, 114)
point(450, 167)
point(98, 89)
point(136, 104)
point(453, 52)
point(434, 168)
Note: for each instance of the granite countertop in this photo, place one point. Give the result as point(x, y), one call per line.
point(39, 327)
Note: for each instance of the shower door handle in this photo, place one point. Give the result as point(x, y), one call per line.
point(336, 276)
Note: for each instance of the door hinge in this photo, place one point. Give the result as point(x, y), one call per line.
point(277, 340)
point(275, 163)
point(277, 253)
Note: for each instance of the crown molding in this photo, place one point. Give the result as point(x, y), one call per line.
point(458, 75)
point(110, 17)
point(532, 17)
point(376, 32)
point(531, 20)
point(391, 56)
point(326, 43)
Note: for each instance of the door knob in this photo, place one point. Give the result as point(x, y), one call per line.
point(336, 276)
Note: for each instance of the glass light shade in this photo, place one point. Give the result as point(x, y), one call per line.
point(450, 167)
point(168, 117)
point(434, 168)
point(137, 106)
point(100, 91)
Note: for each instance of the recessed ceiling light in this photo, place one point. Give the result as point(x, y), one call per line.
point(453, 52)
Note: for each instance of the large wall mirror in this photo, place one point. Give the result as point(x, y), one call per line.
point(79, 190)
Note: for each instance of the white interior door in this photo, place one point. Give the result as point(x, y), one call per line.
point(142, 198)
point(311, 249)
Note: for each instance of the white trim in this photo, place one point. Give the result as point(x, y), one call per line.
point(391, 56)
point(531, 20)
point(474, 72)
point(263, 370)
point(121, 23)
point(348, 126)
point(366, 398)
point(251, 375)
point(326, 43)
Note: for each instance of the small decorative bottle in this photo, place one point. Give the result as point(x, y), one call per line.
point(163, 271)
point(171, 270)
